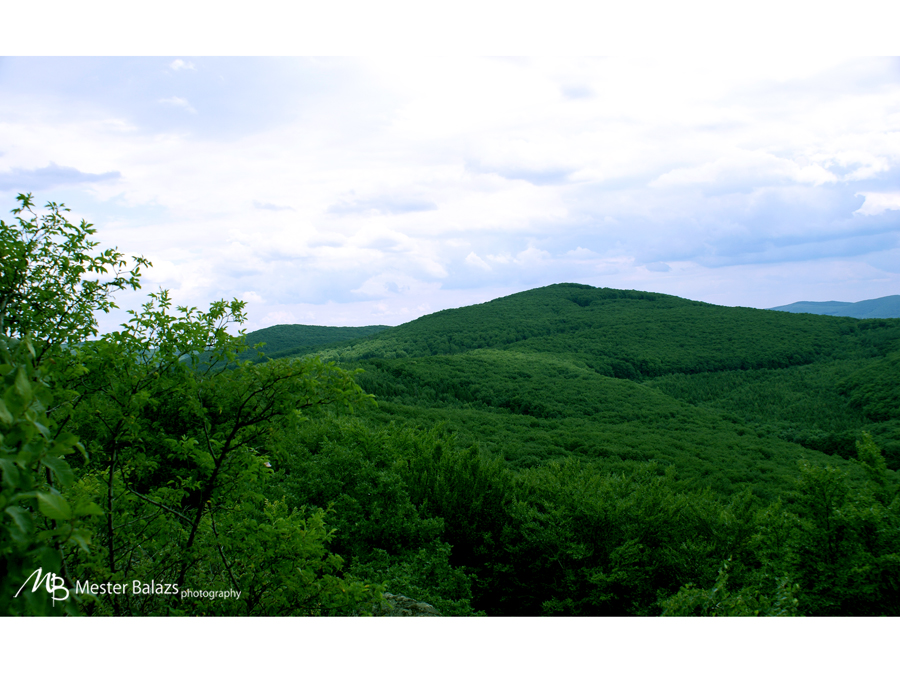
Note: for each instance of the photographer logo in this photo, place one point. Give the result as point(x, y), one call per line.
point(53, 583)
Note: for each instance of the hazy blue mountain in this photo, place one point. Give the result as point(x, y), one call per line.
point(884, 307)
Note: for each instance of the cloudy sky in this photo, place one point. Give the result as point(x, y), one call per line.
point(374, 190)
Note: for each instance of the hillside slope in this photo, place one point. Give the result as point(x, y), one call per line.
point(630, 334)
point(729, 396)
point(292, 340)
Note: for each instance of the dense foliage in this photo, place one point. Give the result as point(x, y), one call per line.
point(691, 415)
point(564, 451)
point(170, 491)
point(459, 528)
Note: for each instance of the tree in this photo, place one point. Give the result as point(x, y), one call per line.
point(37, 521)
point(780, 599)
point(177, 432)
point(45, 302)
point(51, 282)
point(834, 541)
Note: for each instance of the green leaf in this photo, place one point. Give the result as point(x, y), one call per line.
point(5, 416)
point(23, 386)
point(10, 473)
point(49, 559)
point(54, 506)
point(82, 537)
point(21, 517)
point(61, 470)
point(43, 429)
point(88, 509)
point(66, 440)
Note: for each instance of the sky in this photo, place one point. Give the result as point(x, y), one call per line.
point(359, 190)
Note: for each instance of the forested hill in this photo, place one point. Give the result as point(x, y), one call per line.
point(631, 334)
point(292, 340)
point(728, 395)
point(883, 307)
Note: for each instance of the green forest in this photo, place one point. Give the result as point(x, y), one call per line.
point(568, 450)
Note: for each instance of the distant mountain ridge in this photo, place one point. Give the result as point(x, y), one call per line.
point(883, 307)
point(293, 340)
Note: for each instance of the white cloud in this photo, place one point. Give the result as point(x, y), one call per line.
point(262, 205)
point(877, 203)
point(742, 169)
point(581, 253)
point(533, 256)
point(252, 296)
point(387, 284)
point(278, 318)
point(178, 64)
point(175, 101)
point(814, 175)
point(474, 260)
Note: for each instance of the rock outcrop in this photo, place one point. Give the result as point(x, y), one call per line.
point(404, 606)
